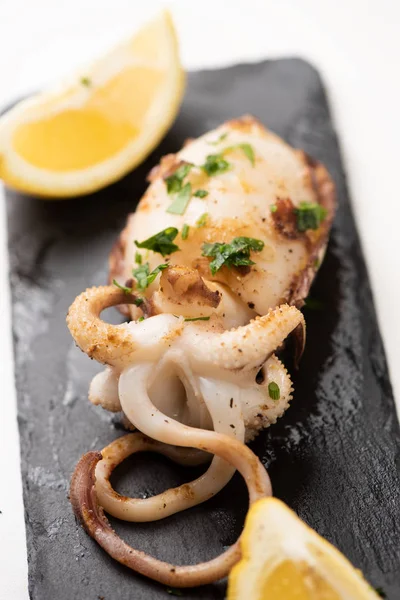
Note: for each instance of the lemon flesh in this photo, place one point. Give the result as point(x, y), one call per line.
point(296, 581)
point(108, 122)
point(87, 138)
point(101, 125)
point(284, 559)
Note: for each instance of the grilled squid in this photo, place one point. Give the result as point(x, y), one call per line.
point(211, 269)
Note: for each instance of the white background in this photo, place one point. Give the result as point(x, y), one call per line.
point(356, 46)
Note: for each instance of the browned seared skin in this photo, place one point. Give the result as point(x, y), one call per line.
point(245, 123)
point(116, 258)
point(284, 219)
point(181, 282)
point(116, 265)
point(326, 196)
point(167, 166)
point(298, 337)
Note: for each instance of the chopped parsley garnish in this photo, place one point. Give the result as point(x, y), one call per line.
point(174, 592)
point(249, 152)
point(202, 220)
point(215, 164)
point(309, 215)
point(143, 276)
point(273, 208)
point(174, 182)
point(274, 391)
point(86, 81)
point(161, 242)
point(185, 232)
point(140, 319)
point(182, 192)
point(313, 303)
point(235, 254)
point(200, 193)
point(181, 200)
point(138, 258)
point(198, 319)
point(126, 290)
point(247, 149)
point(221, 138)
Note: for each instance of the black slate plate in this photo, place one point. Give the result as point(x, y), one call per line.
point(333, 457)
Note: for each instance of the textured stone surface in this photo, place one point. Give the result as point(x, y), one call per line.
point(334, 456)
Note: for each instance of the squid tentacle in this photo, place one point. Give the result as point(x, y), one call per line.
point(153, 423)
point(109, 344)
point(88, 510)
point(182, 497)
point(250, 345)
point(241, 348)
point(148, 418)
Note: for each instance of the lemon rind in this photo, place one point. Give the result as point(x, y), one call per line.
point(272, 534)
point(23, 176)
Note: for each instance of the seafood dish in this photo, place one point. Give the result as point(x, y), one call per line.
point(211, 270)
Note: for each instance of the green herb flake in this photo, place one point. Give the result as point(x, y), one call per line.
point(138, 258)
point(380, 592)
point(249, 152)
point(313, 304)
point(86, 81)
point(221, 138)
point(200, 193)
point(235, 254)
point(174, 592)
point(202, 220)
point(174, 182)
point(181, 201)
point(215, 164)
point(126, 290)
point(247, 149)
point(161, 242)
point(273, 208)
point(198, 319)
point(309, 215)
point(140, 319)
point(185, 232)
point(143, 276)
point(274, 391)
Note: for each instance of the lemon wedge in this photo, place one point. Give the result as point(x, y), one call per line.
point(284, 559)
point(97, 127)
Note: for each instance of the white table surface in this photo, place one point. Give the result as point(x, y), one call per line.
point(356, 46)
